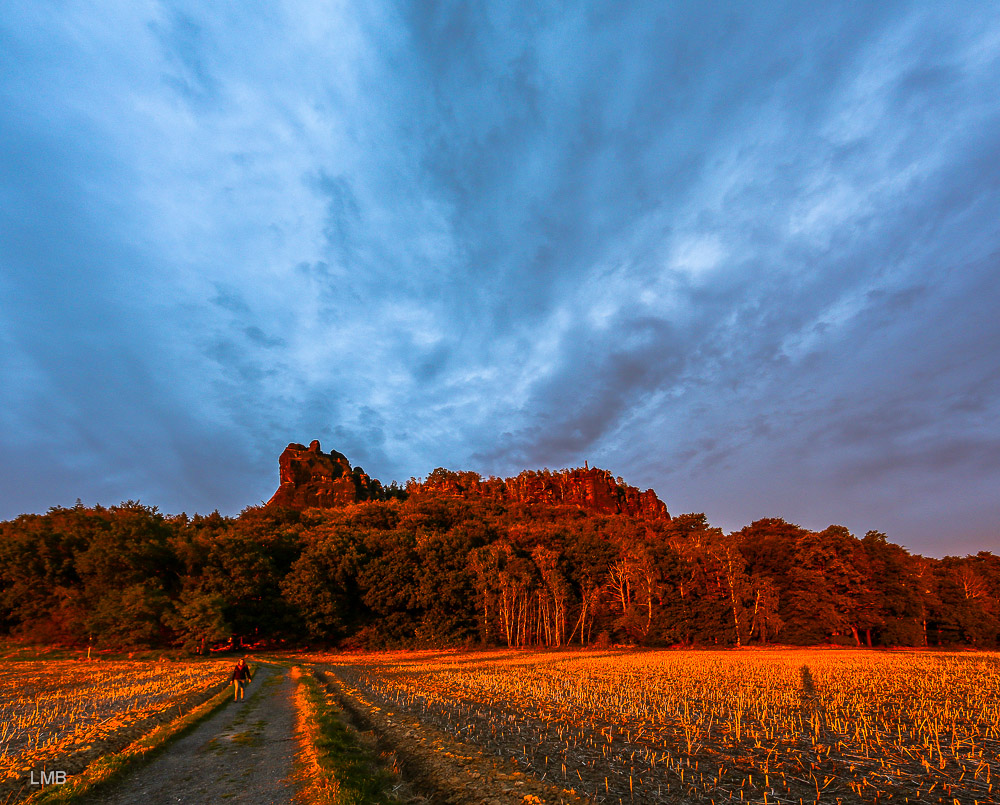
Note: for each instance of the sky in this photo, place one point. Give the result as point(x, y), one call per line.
point(746, 254)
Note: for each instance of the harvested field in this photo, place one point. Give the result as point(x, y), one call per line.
point(62, 714)
point(436, 767)
point(700, 726)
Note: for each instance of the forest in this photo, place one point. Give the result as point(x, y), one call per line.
point(438, 569)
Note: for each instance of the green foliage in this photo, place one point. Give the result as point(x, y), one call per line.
point(445, 593)
point(441, 568)
point(199, 619)
point(352, 775)
point(321, 585)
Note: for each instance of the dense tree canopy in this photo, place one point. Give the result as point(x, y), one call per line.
point(441, 569)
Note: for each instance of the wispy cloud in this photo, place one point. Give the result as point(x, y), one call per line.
point(746, 255)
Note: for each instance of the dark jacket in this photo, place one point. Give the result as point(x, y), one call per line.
point(241, 673)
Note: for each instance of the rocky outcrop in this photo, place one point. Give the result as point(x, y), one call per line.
point(311, 478)
point(587, 488)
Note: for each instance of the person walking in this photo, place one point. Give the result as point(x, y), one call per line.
point(239, 677)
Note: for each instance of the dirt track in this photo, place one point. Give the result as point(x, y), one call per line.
point(242, 754)
point(438, 768)
point(246, 752)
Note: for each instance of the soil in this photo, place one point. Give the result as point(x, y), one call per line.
point(537, 751)
point(437, 767)
point(244, 753)
point(102, 739)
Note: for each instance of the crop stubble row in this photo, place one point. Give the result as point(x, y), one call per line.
point(54, 711)
point(775, 726)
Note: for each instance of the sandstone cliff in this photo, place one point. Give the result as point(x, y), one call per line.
point(587, 488)
point(311, 478)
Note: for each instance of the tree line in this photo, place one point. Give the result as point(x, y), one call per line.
point(439, 570)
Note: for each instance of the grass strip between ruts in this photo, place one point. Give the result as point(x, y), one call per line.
point(111, 767)
point(350, 774)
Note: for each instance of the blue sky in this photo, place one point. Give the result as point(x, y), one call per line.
point(745, 254)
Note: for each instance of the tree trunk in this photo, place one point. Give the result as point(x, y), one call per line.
point(579, 623)
point(736, 613)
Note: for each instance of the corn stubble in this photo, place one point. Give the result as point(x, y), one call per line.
point(779, 726)
point(50, 710)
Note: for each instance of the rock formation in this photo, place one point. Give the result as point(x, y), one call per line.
point(311, 478)
point(586, 488)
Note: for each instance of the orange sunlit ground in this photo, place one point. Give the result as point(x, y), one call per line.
point(52, 711)
point(775, 726)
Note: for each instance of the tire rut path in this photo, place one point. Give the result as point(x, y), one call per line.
point(437, 766)
point(244, 753)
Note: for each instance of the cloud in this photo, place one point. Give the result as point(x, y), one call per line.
point(744, 257)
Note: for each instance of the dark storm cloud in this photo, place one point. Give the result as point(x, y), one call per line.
point(602, 371)
point(745, 255)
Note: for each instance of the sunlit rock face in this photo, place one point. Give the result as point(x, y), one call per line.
point(311, 478)
point(586, 488)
